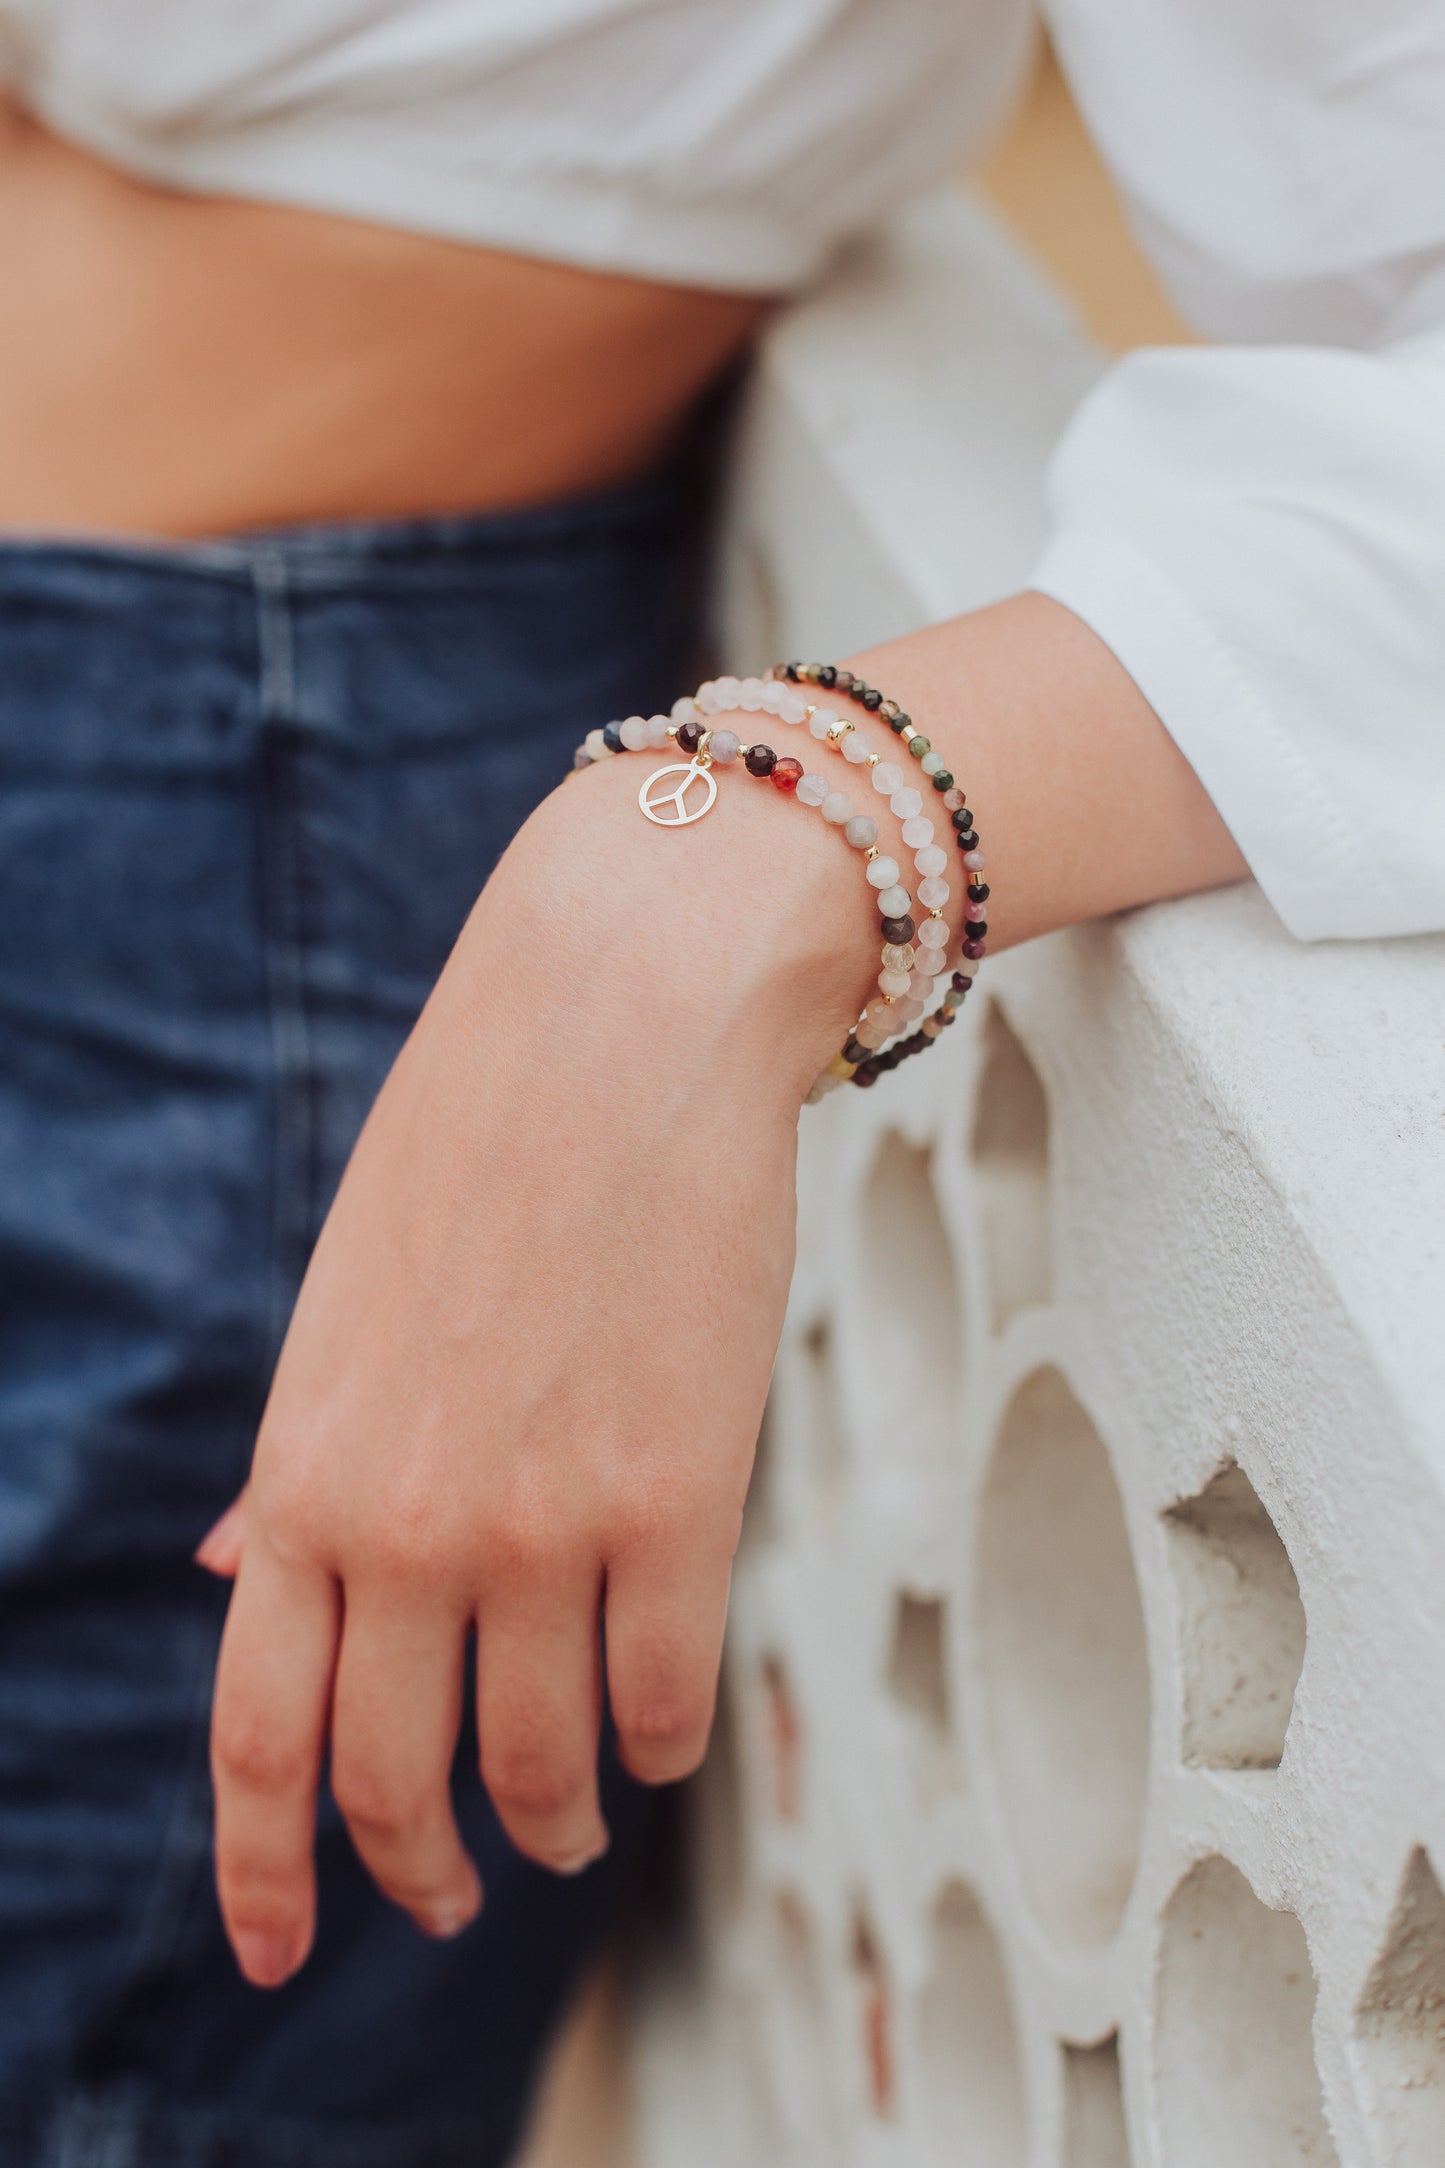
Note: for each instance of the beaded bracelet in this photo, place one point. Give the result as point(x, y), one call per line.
point(865, 1054)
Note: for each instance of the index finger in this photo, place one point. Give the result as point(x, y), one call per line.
point(268, 1736)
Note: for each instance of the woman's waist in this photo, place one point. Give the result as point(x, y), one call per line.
point(175, 365)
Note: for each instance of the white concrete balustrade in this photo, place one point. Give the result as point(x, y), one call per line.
point(1080, 1796)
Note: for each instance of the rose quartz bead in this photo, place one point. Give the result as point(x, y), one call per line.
point(861, 831)
point(633, 733)
point(729, 692)
point(932, 859)
point(933, 960)
point(887, 777)
point(792, 709)
point(706, 701)
point(813, 789)
point(837, 808)
point(723, 746)
point(933, 894)
point(897, 956)
point(930, 1027)
point(870, 1034)
point(773, 697)
point(683, 710)
point(909, 1011)
point(855, 749)
point(882, 872)
point(969, 967)
point(917, 832)
point(894, 902)
point(975, 911)
point(821, 721)
point(975, 861)
point(750, 699)
point(932, 934)
point(880, 1012)
point(907, 802)
point(657, 731)
point(595, 746)
point(894, 982)
point(954, 799)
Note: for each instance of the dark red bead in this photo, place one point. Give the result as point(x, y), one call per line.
point(760, 759)
point(787, 774)
point(961, 982)
point(867, 1073)
point(973, 950)
point(856, 1051)
point(689, 736)
point(978, 891)
point(897, 930)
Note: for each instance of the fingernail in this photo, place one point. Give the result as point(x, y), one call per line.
point(266, 1960)
point(449, 1918)
point(579, 1862)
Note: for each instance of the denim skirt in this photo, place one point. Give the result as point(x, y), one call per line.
point(248, 791)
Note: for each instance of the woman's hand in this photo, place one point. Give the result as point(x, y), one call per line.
point(524, 1378)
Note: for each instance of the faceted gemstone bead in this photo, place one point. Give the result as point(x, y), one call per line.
point(821, 721)
point(837, 808)
point(910, 1010)
point(633, 733)
point(861, 831)
point(978, 891)
point(787, 774)
point(978, 931)
point(871, 699)
point(968, 969)
point(907, 802)
point(930, 1027)
point(813, 789)
point(595, 746)
point(918, 745)
point(689, 736)
point(656, 732)
point(887, 777)
point(793, 709)
point(760, 760)
point(729, 692)
point(724, 746)
point(942, 779)
point(683, 710)
point(894, 982)
point(750, 695)
point(774, 695)
point(932, 858)
point(953, 798)
point(973, 949)
point(897, 930)
point(882, 873)
point(581, 758)
point(933, 893)
point(898, 956)
point(855, 1050)
point(975, 910)
point(707, 701)
point(961, 818)
point(870, 1034)
point(894, 902)
point(917, 831)
point(968, 841)
point(880, 1012)
point(953, 999)
point(933, 933)
point(975, 861)
point(855, 749)
point(827, 675)
point(931, 762)
point(961, 982)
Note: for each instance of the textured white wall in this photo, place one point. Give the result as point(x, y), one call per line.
point(1081, 1799)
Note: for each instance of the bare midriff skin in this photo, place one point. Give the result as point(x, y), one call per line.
point(186, 365)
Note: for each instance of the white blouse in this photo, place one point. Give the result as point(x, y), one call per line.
point(1256, 528)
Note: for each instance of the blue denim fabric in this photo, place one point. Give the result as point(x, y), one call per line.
point(248, 790)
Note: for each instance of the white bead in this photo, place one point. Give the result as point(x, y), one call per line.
point(821, 721)
point(933, 893)
point(634, 734)
point(883, 873)
point(907, 802)
point(969, 967)
point(683, 710)
point(792, 708)
point(595, 746)
point(917, 831)
point(931, 763)
point(774, 695)
point(932, 934)
point(894, 982)
point(707, 701)
point(887, 777)
point(657, 731)
point(812, 789)
point(931, 859)
point(750, 699)
point(855, 748)
point(894, 902)
point(862, 832)
point(729, 692)
point(837, 808)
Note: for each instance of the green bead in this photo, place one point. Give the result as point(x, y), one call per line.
point(919, 746)
point(943, 780)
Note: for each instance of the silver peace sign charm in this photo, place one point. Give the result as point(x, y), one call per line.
point(669, 808)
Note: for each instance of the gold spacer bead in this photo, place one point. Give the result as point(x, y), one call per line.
point(839, 730)
point(840, 1068)
point(873, 759)
point(871, 853)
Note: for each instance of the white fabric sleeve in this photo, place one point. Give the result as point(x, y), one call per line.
point(1259, 535)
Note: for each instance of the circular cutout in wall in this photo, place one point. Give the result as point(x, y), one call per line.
point(1065, 1665)
point(1235, 2070)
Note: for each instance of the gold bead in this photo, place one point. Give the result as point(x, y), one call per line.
point(840, 1068)
point(873, 759)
